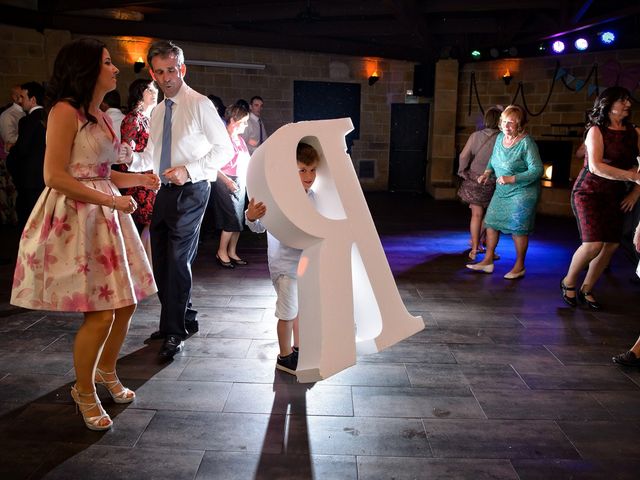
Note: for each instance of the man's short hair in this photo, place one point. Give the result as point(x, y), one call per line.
point(112, 99)
point(34, 89)
point(256, 97)
point(165, 48)
point(306, 154)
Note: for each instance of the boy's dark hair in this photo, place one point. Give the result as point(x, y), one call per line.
point(34, 89)
point(306, 154)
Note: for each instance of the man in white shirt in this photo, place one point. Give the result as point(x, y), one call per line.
point(255, 133)
point(9, 119)
point(188, 142)
point(111, 106)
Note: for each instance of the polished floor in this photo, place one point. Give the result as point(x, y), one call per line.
point(505, 381)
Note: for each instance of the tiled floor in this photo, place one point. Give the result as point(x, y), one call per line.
point(505, 382)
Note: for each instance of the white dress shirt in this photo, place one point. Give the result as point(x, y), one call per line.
point(9, 123)
point(116, 116)
point(252, 132)
point(282, 259)
point(199, 138)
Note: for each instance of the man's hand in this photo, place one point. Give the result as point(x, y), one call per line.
point(177, 175)
point(255, 210)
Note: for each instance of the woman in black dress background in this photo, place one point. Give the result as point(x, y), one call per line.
point(599, 198)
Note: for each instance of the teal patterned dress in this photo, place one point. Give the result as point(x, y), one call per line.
point(513, 207)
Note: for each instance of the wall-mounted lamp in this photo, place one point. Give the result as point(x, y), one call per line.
point(138, 65)
point(506, 78)
point(373, 78)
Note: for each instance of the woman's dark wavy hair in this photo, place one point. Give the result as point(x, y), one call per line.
point(136, 92)
point(599, 114)
point(75, 73)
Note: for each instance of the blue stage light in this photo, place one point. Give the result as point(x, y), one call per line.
point(607, 37)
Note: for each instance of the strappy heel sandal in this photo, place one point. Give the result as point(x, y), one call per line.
point(92, 423)
point(119, 395)
point(593, 305)
point(571, 301)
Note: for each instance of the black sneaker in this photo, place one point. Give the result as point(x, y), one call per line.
point(296, 350)
point(627, 359)
point(288, 364)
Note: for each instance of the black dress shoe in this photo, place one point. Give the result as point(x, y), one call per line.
point(571, 301)
point(191, 326)
point(593, 305)
point(239, 261)
point(157, 335)
point(172, 345)
point(224, 264)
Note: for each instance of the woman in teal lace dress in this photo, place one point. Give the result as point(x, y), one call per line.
point(515, 162)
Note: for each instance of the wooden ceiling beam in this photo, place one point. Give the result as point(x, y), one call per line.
point(106, 26)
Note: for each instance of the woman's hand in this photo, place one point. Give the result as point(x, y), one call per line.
point(506, 179)
point(484, 178)
point(150, 181)
point(125, 154)
point(125, 203)
point(255, 210)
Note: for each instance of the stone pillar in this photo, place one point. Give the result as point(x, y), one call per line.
point(440, 180)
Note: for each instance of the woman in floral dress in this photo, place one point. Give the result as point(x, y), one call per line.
point(80, 251)
point(134, 130)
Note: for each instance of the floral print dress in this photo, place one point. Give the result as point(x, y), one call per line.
point(134, 130)
point(82, 257)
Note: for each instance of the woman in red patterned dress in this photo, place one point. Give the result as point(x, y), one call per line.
point(143, 97)
point(599, 198)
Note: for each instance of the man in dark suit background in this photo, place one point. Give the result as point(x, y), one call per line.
point(26, 159)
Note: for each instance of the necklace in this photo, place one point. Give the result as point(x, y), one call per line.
point(508, 142)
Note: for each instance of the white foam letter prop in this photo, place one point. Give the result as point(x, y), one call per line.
point(343, 274)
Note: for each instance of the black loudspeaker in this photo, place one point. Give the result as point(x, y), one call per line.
point(424, 77)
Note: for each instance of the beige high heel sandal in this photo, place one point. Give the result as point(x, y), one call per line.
point(92, 423)
point(124, 395)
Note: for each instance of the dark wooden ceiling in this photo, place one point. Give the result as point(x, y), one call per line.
point(402, 29)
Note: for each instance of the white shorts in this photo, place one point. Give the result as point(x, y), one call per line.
point(287, 302)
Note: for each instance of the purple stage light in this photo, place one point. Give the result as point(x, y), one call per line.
point(581, 44)
point(558, 46)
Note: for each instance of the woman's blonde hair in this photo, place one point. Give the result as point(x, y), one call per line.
point(517, 113)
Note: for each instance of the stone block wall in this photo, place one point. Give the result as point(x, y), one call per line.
point(28, 55)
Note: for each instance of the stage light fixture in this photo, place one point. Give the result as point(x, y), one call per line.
point(581, 44)
point(494, 52)
point(607, 37)
point(558, 46)
point(476, 54)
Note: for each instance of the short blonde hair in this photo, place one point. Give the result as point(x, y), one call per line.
point(517, 113)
